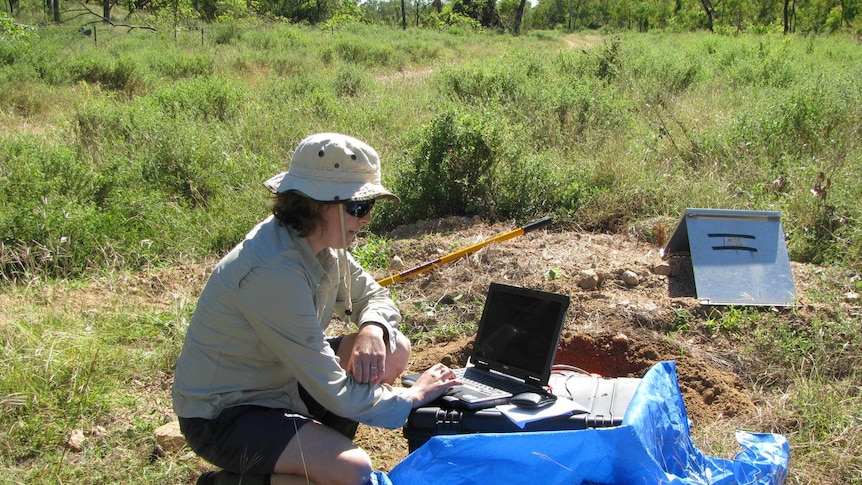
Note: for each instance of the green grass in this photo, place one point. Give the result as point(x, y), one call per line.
point(147, 151)
point(65, 370)
point(120, 151)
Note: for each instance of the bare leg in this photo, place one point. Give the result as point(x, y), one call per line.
point(318, 454)
point(323, 456)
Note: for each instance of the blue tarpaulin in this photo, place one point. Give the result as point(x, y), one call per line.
point(652, 446)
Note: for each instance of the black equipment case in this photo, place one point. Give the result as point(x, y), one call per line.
point(606, 398)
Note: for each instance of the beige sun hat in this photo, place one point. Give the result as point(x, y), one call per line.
point(330, 167)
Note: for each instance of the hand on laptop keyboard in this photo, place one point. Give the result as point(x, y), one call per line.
point(432, 384)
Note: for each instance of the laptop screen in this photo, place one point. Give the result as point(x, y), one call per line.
point(519, 332)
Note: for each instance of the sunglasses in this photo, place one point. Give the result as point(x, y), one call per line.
point(359, 208)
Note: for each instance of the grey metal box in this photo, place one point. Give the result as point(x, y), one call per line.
point(738, 257)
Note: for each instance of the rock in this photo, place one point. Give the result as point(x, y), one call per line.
point(662, 269)
point(630, 278)
point(851, 297)
point(75, 440)
point(396, 263)
point(169, 438)
point(620, 338)
point(588, 279)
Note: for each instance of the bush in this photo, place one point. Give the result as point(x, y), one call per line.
point(51, 219)
point(172, 137)
point(211, 98)
point(13, 40)
point(451, 169)
point(121, 74)
point(361, 52)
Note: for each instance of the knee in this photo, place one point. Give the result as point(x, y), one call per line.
point(399, 360)
point(402, 345)
point(354, 468)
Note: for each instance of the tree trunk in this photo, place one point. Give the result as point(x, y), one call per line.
point(519, 15)
point(106, 10)
point(56, 7)
point(788, 16)
point(403, 15)
point(843, 14)
point(709, 8)
point(489, 14)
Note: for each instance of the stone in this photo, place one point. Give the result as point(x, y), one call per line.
point(630, 278)
point(588, 279)
point(169, 437)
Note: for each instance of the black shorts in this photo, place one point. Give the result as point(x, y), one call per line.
point(235, 440)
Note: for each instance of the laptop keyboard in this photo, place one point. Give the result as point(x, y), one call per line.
point(489, 383)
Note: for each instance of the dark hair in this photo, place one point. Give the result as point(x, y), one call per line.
point(298, 211)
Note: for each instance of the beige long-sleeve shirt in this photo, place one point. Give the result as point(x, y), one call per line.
point(258, 330)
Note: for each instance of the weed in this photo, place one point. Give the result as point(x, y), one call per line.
point(731, 319)
point(682, 319)
point(372, 252)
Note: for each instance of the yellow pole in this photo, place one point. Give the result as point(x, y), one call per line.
point(462, 252)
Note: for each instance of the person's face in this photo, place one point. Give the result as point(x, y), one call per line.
point(356, 215)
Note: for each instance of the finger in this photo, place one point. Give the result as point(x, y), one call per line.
point(446, 372)
point(359, 371)
point(377, 371)
point(451, 377)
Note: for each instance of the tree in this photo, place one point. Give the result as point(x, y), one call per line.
point(489, 17)
point(467, 8)
point(709, 9)
point(549, 14)
point(519, 15)
point(789, 8)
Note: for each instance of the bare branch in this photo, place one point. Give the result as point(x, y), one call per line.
point(102, 19)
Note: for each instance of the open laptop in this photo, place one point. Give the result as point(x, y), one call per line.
point(514, 349)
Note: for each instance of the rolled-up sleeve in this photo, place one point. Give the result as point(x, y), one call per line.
point(371, 302)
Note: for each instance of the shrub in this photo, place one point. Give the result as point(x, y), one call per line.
point(210, 98)
point(451, 168)
point(179, 65)
point(362, 52)
point(121, 74)
point(13, 40)
point(351, 81)
point(51, 222)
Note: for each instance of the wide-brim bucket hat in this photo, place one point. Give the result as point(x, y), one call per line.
point(331, 167)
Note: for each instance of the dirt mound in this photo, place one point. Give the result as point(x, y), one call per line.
point(619, 322)
point(709, 393)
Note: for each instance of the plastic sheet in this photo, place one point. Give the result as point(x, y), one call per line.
point(653, 446)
